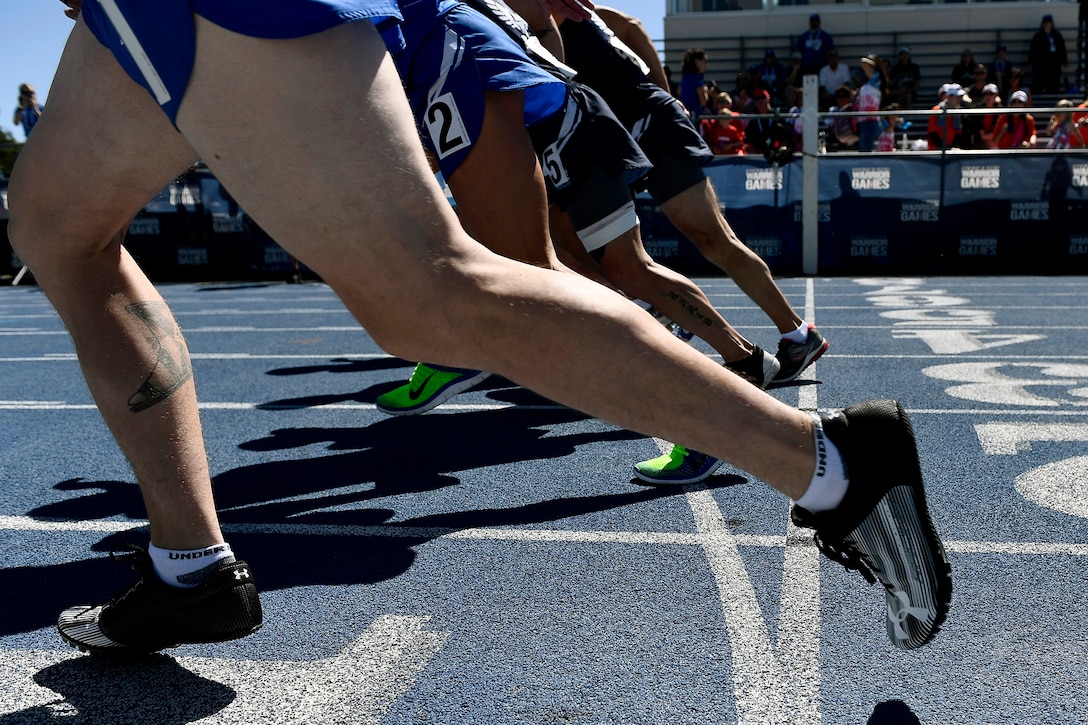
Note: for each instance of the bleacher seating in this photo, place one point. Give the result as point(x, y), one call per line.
point(859, 30)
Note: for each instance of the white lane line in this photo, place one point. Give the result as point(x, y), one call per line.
point(665, 538)
point(357, 685)
point(771, 684)
point(328, 357)
point(212, 328)
point(52, 405)
point(799, 617)
point(765, 688)
point(225, 312)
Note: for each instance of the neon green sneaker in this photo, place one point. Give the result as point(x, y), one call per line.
point(680, 465)
point(429, 387)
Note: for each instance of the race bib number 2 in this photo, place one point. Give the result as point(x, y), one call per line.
point(445, 126)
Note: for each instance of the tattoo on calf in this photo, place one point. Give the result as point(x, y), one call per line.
point(172, 367)
point(690, 308)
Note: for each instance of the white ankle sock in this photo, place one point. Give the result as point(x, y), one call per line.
point(186, 568)
point(798, 335)
point(829, 483)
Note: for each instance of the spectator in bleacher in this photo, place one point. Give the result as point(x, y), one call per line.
point(693, 90)
point(945, 130)
point(758, 130)
point(842, 130)
point(903, 79)
point(1015, 129)
point(833, 75)
point(742, 95)
point(979, 79)
point(725, 136)
point(888, 126)
point(1016, 83)
point(961, 72)
point(869, 99)
point(795, 79)
point(1047, 56)
point(814, 45)
point(1080, 121)
point(1000, 69)
point(1064, 132)
point(770, 75)
point(986, 125)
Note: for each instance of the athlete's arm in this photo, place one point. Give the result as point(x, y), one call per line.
point(633, 33)
point(538, 14)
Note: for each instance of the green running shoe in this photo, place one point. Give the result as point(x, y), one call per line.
point(680, 465)
point(429, 387)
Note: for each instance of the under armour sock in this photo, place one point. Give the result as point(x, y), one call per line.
point(829, 483)
point(188, 568)
point(798, 335)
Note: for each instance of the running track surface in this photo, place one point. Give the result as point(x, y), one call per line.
point(493, 562)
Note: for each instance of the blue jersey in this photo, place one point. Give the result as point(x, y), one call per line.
point(453, 54)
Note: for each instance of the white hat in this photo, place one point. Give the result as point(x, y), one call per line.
point(955, 89)
point(1019, 96)
point(943, 90)
point(990, 88)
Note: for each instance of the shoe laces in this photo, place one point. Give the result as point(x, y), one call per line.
point(848, 556)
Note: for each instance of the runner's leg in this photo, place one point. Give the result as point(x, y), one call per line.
point(103, 150)
point(696, 214)
point(450, 300)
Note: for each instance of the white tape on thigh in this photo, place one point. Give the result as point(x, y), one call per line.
point(603, 231)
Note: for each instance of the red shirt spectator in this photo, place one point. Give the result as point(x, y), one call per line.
point(1015, 129)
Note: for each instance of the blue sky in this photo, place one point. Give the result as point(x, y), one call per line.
point(35, 31)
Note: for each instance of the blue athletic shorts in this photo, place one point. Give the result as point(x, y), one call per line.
point(452, 55)
point(155, 42)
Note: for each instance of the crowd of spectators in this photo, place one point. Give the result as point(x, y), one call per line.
point(877, 87)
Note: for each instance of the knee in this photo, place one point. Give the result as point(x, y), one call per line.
point(437, 314)
point(43, 228)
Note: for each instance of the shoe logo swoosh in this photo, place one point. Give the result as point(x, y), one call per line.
point(414, 393)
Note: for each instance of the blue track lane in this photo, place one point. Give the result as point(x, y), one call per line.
point(493, 561)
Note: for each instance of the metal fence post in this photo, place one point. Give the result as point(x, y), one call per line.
point(810, 197)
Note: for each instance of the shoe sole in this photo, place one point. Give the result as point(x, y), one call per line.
point(910, 533)
point(455, 387)
point(679, 481)
point(117, 649)
point(811, 358)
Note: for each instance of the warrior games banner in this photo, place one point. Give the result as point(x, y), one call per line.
point(901, 213)
point(908, 213)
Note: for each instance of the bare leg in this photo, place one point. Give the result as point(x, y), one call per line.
point(451, 300)
point(696, 214)
point(85, 174)
point(388, 243)
point(629, 267)
point(511, 221)
point(570, 250)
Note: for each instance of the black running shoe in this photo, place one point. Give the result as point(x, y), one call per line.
point(151, 615)
point(759, 368)
point(882, 528)
point(794, 357)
